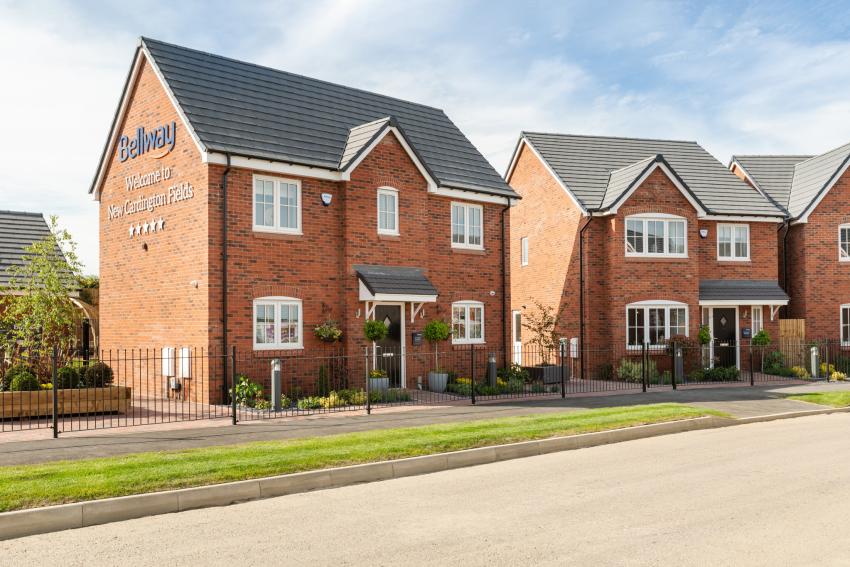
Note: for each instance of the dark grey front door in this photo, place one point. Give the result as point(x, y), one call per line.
point(389, 349)
point(724, 336)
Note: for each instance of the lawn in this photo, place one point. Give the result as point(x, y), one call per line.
point(835, 399)
point(28, 486)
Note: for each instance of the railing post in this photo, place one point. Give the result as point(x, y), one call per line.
point(54, 373)
point(472, 373)
point(368, 390)
point(563, 349)
point(233, 382)
point(675, 359)
point(752, 367)
point(643, 364)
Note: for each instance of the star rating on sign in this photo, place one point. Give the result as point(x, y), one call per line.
point(155, 225)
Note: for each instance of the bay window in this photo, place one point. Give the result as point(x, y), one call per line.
point(277, 205)
point(733, 242)
point(467, 322)
point(655, 322)
point(277, 323)
point(656, 236)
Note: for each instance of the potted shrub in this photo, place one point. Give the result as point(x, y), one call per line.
point(375, 331)
point(542, 326)
point(436, 332)
point(378, 380)
point(328, 332)
point(761, 340)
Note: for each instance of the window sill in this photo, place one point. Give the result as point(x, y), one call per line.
point(472, 251)
point(261, 348)
point(467, 343)
point(735, 260)
point(278, 235)
point(391, 237)
point(663, 259)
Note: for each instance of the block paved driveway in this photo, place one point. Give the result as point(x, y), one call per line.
point(770, 493)
point(739, 401)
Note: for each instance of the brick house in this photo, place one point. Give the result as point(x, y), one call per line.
point(243, 206)
point(814, 244)
point(633, 241)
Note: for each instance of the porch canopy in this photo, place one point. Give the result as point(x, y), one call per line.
point(395, 284)
point(742, 292)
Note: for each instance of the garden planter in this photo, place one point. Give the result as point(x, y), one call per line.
point(379, 384)
point(82, 401)
point(548, 373)
point(437, 381)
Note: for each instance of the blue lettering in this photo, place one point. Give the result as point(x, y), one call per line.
point(143, 142)
point(122, 148)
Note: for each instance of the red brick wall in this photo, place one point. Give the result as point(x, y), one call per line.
point(820, 282)
point(146, 296)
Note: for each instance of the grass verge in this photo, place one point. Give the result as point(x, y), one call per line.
point(834, 399)
point(28, 486)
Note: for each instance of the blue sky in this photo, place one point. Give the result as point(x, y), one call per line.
point(738, 77)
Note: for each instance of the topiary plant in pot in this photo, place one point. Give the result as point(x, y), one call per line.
point(375, 331)
point(436, 332)
point(761, 340)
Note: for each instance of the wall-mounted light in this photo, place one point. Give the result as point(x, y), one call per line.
point(492, 293)
point(326, 199)
point(703, 233)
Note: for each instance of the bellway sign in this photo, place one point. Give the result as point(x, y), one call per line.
point(159, 140)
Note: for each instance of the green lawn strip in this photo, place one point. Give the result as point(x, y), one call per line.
point(834, 399)
point(27, 486)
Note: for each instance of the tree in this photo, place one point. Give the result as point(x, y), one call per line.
point(542, 325)
point(36, 308)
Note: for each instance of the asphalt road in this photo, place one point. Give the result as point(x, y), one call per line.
point(774, 493)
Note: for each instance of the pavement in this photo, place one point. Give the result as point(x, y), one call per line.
point(770, 493)
point(737, 401)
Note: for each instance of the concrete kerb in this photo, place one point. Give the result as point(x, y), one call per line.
point(69, 516)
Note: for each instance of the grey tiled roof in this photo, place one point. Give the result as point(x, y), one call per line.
point(395, 280)
point(812, 176)
point(772, 174)
point(585, 165)
point(256, 111)
point(17, 232)
point(795, 182)
point(621, 180)
point(744, 291)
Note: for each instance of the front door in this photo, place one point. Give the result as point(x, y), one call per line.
point(725, 335)
point(517, 337)
point(389, 350)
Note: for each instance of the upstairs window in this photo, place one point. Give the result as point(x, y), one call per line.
point(844, 243)
point(467, 226)
point(388, 211)
point(277, 205)
point(733, 242)
point(656, 236)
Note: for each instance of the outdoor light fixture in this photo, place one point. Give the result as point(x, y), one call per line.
point(326, 199)
point(703, 233)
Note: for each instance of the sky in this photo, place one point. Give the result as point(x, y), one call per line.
point(737, 77)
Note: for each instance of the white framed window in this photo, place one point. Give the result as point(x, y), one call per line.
point(653, 322)
point(656, 236)
point(388, 211)
point(467, 322)
point(523, 251)
point(277, 205)
point(278, 323)
point(467, 226)
point(844, 243)
point(845, 325)
point(733, 242)
point(757, 319)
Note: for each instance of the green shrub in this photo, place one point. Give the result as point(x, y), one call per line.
point(762, 338)
point(285, 402)
point(247, 391)
point(393, 395)
point(352, 397)
point(98, 375)
point(800, 372)
point(262, 404)
point(24, 381)
point(632, 371)
point(605, 371)
point(11, 372)
point(436, 331)
point(68, 377)
point(697, 375)
point(309, 403)
point(774, 359)
point(375, 330)
point(782, 371)
point(333, 400)
point(513, 373)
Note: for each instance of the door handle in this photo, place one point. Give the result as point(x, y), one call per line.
point(388, 354)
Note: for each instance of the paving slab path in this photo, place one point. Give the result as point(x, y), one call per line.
point(740, 402)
